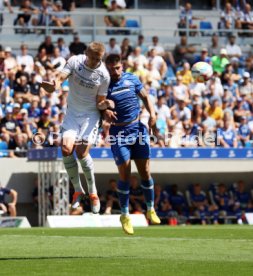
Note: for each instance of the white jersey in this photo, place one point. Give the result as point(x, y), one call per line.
point(82, 117)
point(85, 85)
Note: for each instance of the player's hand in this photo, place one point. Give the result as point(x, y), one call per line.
point(48, 86)
point(152, 121)
point(110, 116)
point(110, 104)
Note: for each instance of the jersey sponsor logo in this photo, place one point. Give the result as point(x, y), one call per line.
point(94, 76)
point(127, 83)
point(85, 84)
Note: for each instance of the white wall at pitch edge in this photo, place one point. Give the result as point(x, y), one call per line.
point(91, 220)
point(17, 222)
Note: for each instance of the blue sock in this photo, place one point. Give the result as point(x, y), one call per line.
point(148, 191)
point(123, 193)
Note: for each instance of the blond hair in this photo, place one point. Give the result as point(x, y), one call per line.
point(97, 47)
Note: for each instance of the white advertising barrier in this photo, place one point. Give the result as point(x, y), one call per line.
point(91, 220)
point(249, 217)
point(17, 222)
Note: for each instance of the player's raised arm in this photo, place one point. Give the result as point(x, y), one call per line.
point(103, 103)
point(149, 106)
point(50, 87)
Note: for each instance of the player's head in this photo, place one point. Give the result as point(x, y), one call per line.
point(95, 53)
point(114, 66)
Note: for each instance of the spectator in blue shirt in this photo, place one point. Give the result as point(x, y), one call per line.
point(177, 200)
point(243, 131)
point(162, 204)
point(227, 136)
point(243, 201)
point(203, 56)
point(112, 200)
point(137, 203)
point(223, 200)
point(186, 19)
point(200, 205)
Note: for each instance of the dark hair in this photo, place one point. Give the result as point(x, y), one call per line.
point(112, 59)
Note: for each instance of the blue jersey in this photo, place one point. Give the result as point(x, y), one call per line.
point(242, 198)
point(228, 135)
point(244, 130)
point(222, 200)
point(124, 94)
point(198, 198)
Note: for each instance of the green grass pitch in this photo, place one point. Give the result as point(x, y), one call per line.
point(190, 250)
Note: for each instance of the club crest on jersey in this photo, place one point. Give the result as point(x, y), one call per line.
point(94, 76)
point(127, 83)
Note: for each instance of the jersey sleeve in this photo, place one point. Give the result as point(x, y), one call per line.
point(138, 85)
point(103, 88)
point(69, 66)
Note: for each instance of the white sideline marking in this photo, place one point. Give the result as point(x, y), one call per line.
point(131, 238)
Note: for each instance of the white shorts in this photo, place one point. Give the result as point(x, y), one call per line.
point(81, 127)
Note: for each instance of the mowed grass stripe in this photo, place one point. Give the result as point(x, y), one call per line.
point(152, 251)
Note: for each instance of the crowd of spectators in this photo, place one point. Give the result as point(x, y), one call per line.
point(187, 111)
point(219, 204)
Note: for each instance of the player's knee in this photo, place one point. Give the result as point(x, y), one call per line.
point(66, 150)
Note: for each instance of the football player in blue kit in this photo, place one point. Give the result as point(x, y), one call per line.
point(129, 138)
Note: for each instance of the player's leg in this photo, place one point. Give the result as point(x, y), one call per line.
point(87, 165)
point(88, 133)
point(147, 184)
point(141, 155)
point(70, 163)
point(123, 193)
point(121, 154)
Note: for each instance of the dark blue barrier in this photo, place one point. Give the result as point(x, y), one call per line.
point(156, 153)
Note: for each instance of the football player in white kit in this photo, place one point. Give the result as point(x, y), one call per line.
point(88, 83)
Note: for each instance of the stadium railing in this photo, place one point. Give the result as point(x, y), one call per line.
point(96, 29)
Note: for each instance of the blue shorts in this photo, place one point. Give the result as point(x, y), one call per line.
point(129, 142)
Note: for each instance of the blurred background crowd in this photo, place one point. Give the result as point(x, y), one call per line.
point(217, 113)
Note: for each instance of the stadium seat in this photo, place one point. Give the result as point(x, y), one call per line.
point(204, 27)
point(3, 145)
point(132, 23)
point(26, 105)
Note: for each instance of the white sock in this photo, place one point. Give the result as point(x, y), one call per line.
point(71, 167)
point(88, 170)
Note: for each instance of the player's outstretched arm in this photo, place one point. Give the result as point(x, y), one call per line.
point(149, 106)
point(106, 106)
point(50, 87)
point(103, 103)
